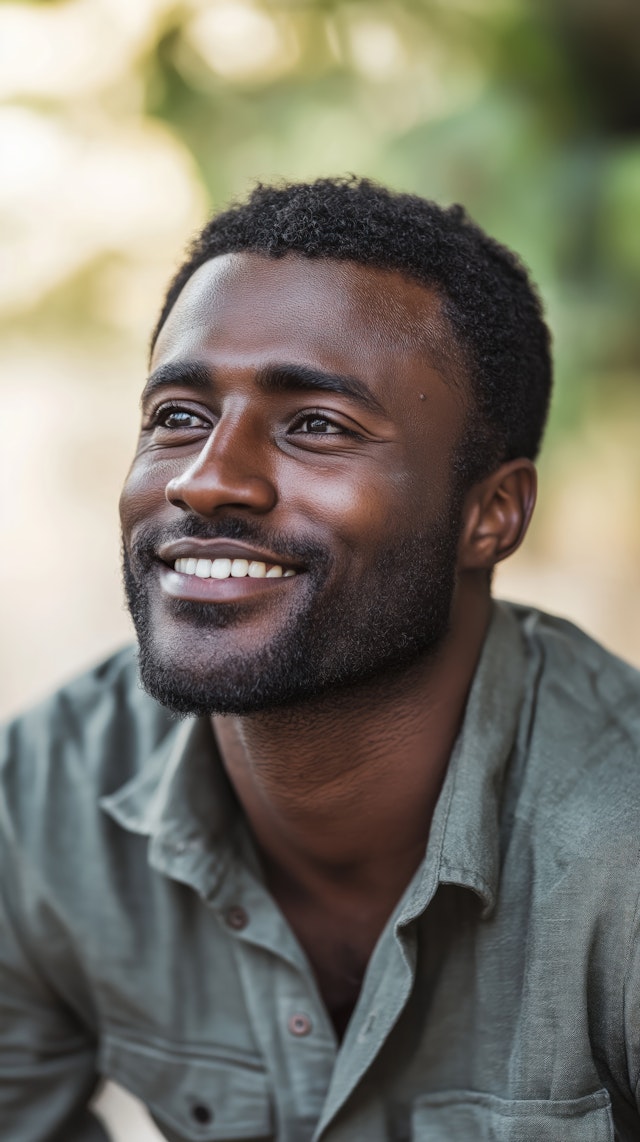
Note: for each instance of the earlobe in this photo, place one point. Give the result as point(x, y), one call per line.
point(497, 514)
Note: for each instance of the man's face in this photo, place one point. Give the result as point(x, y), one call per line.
point(294, 429)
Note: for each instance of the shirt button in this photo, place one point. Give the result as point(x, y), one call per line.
point(236, 918)
point(202, 1114)
point(299, 1024)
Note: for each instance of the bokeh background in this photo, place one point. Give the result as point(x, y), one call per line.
point(124, 122)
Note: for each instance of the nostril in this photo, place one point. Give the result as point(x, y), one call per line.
point(205, 492)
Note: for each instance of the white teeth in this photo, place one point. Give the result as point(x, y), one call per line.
point(186, 566)
point(239, 568)
point(221, 569)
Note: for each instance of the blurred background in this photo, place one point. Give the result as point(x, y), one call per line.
point(123, 123)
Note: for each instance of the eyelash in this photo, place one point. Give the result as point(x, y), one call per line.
point(318, 414)
point(168, 407)
point(165, 409)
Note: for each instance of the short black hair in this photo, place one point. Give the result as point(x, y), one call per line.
point(488, 300)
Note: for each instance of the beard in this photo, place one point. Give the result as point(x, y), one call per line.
point(334, 637)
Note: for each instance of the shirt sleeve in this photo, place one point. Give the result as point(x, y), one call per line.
point(47, 1060)
point(631, 1006)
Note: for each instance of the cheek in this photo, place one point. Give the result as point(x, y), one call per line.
point(358, 504)
point(430, 461)
point(143, 492)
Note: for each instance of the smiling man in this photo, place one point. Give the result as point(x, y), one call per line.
point(380, 880)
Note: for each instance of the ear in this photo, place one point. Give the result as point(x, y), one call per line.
point(496, 515)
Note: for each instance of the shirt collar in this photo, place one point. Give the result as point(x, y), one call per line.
point(180, 798)
point(464, 840)
point(183, 800)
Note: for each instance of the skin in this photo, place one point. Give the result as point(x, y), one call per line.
point(339, 792)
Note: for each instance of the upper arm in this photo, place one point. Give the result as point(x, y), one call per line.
point(47, 1058)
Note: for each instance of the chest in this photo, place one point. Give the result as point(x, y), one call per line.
point(196, 1009)
point(455, 1028)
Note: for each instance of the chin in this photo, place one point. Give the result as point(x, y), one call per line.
point(218, 679)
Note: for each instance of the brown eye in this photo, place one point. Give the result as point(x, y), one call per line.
point(319, 426)
point(178, 419)
point(174, 418)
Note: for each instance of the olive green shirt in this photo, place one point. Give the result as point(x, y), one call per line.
point(138, 940)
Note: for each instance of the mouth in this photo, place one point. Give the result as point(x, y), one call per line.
point(220, 570)
point(223, 567)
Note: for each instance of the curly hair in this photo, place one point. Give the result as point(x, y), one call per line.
point(488, 301)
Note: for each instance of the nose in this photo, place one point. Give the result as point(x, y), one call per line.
point(230, 471)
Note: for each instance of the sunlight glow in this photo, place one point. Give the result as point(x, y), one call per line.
point(75, 48)
point(66, 197)
point(238, 40)
point(376, 49)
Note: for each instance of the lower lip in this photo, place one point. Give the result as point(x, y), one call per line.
point(193, 588)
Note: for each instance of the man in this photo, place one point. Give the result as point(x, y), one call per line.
point(381, 882)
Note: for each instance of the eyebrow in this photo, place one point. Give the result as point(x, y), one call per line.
point(271, 379)
point(191, 374)
point(289, 378)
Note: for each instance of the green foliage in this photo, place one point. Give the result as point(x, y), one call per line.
point(528, 112)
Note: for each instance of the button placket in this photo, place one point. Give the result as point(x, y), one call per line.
point(296, 1045)
point(278, 987)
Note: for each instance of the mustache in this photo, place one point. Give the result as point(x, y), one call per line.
point(142, 550)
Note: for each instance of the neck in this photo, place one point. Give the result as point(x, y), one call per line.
point(342, 790)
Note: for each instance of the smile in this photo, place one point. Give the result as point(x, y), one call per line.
point(225, 568)
point(221, 570)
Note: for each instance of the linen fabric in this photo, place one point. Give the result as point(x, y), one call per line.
point(138, 941)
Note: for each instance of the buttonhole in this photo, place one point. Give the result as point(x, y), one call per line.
point(368, 1026)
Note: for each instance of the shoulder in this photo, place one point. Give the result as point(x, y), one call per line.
point(582, 693)
point(579, 737)
point(83, 741)
point(566, 646)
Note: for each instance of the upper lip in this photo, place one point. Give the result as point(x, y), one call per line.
point(219, 549)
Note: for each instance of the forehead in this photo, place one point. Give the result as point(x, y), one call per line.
point(343, 315)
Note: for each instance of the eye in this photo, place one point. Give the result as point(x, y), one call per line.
point(178, 418)
point(317, 424)
point(175, 417)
